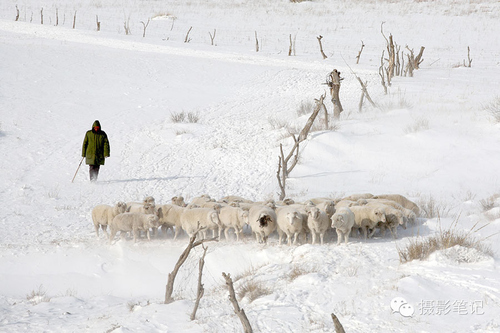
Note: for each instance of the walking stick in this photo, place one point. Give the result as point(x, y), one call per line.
point(79, 165)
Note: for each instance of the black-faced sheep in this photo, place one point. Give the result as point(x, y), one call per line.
point(204, 218)
point(102, 215)
point(132, 222)
point(262, 220)
point(343, 222)
point(318, 223)
point(289, 222)
point(232, 217)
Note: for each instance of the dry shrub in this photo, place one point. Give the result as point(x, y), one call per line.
point(430, 208)
point(253, 290)
point(182, 117)
point(493, 108)
point(38, 296)
point(305, 108)
point(419, 124)
point(488, 203)
point(421, 248)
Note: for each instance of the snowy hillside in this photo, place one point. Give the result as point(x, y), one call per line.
point(433, 138)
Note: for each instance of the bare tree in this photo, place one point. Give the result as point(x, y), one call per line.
point(321, 46)
point(126, 25)
point(98, 23)
point(201, 290)
point(290, 47)
point(256, 42)
point(212, 37)
point(17, 13)
point(57, 17)
point(247, 328)
point(41, 16)
point(145, 25)
point(283, 168)
point(171, 276)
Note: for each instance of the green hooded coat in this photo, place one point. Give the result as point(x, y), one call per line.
point(95, 146)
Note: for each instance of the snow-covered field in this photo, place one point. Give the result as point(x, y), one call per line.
point(431, 137)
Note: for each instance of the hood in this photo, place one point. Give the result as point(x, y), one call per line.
point(96, 123)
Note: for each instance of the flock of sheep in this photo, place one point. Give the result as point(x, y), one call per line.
point(350, 215)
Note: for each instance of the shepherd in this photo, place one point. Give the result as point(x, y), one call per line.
point(95, 149)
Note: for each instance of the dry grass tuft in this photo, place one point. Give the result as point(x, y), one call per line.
point(38, 296)
point(421, 248)
point(253, 290)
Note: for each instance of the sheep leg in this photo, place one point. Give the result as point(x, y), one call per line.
point(371, 233)
point(313, 234)
point(96, 226)
point(295, 238)
point(321, 237)
point(346, 237)
point(339, 236)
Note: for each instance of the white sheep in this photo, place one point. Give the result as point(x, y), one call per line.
point(289, 222)
point(318, 223)
point(147, 206)
point(102, 215)
point(366, 217)
point(199, 201)
point(205, 218)
point(234, 198)
point(400, 199)
point(178, 201)
point(408, 214)
point(132, 222)
point(232, 217)
point(170, 218)
point(357, 196)
point(393, 219)
point(343, 222)
point(262, 220)
point(327, 206)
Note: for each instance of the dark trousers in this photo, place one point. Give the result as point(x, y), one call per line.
point(94, 172)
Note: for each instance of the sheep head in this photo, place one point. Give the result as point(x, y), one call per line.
point(379, 213)
point(264, 220)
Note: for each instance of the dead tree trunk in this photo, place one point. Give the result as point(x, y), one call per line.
point(57, 17)
point(290, 47)
point(41, 16)
point(382, 73)
point(171, 276)
point(338, 326)
point(145, 25)
point(247, 328)
point(187, 39)
point(364, 93)
point(256, 42)
point(333, 81)
point(74, 20)
point(201, 290)
point(212, 37)
point(283, 169)
point(321, 47)
point(359, 53)
point(17, 15)
point(98, 23)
